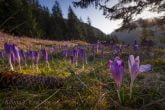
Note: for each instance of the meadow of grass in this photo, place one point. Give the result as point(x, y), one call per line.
point(91, 87)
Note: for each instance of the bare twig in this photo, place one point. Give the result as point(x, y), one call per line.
point(153, 102)
point(47, 99)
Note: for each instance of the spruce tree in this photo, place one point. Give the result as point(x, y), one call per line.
point(73, 24)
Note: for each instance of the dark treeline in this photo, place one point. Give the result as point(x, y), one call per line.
point(29, 18)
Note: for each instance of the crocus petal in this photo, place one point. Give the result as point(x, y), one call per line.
point(129, 66)
point(145, 68)
point(131, 59)
point(137, 61)
point(110, 63)
point(134, 71)
point(117, 59)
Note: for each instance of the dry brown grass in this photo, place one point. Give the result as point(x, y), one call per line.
point(26, 43)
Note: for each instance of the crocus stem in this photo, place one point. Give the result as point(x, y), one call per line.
point(131, 86)
point(118, 94)
point(48, 66)
point(11, 67)
point(83, 66)
point(10, 63)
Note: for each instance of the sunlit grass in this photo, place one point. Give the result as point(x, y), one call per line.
point(91, 87)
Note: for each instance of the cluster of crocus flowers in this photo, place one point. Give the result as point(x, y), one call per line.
point(117, 70)
point(75, 55)
point(12, 52)
point(16, 56)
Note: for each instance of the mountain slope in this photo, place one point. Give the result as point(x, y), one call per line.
point(151, 29)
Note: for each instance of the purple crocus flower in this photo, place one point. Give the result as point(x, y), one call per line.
point(65, 53)
point(83, 55)
point(75, 52)
point(36, 57)
point(7, 48)
point(1, 54)
point(22, 56)
point(29, 55)
point(133, 64)
point(45, 56)
point(10, 56)
point(117, 69)
point(74, 56)
point(135, 46)
point(16, 53)
point(117, 49)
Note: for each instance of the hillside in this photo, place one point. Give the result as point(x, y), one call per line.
point(26, 42)
point(152, 29)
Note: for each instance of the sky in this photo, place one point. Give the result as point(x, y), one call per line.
point(97, 19)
